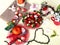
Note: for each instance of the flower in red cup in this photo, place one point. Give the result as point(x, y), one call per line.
point(19, 35)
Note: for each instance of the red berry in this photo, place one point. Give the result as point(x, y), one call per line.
point(13, 20)
point(26, 21)
point(15, 17)
point(38, 14)
point(34, 12)
point(31, 13)
point(44, 8)
point(29, 18)
point(37, 24)
point(39, 19)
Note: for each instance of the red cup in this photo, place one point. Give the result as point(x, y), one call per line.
point(52, 18)
point(20, 1)
point(55, 22)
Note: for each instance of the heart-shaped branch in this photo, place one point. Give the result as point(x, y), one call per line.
point(39, 41)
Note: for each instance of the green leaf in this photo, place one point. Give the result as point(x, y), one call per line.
point(33, 25)
point(38, 11)
point(28, 24)
point(54, 34)
point(24, 16)
point(11, 25)
point(22, 20)
point(58, 7)
point(54, 31)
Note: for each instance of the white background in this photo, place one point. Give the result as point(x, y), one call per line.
point(48, 25)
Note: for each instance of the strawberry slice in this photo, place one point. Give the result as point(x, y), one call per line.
point(24, 9)
point(37, 24)
point(16, 13)
point(20, 14)
point(18, 8)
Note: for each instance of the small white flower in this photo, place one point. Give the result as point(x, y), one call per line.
point(12, 8)
point(23, 30)
point(22, 38)
point(35, 16)
point(29, 21)
point(34, 7)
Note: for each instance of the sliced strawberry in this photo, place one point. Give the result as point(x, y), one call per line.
point(18, 42)
point(16, 13)
point(29, 19)
point(39, 19)
point(13, 20)
point(37, 24)
point(20, 14)
point(15, 17)
point(26, 21)
point(24, 9)
point(18, 8)
point(38, 14)
point(30, 13)
point(33, 25)
point(34, 13)
point(32, 16)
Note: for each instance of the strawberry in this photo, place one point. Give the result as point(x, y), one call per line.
point(16, 13)
point(18, 8)
point(20, 14)
point(24, 9)
point(37, 24)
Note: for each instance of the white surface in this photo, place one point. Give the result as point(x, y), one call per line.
point(47, 25)
point(4, 4)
